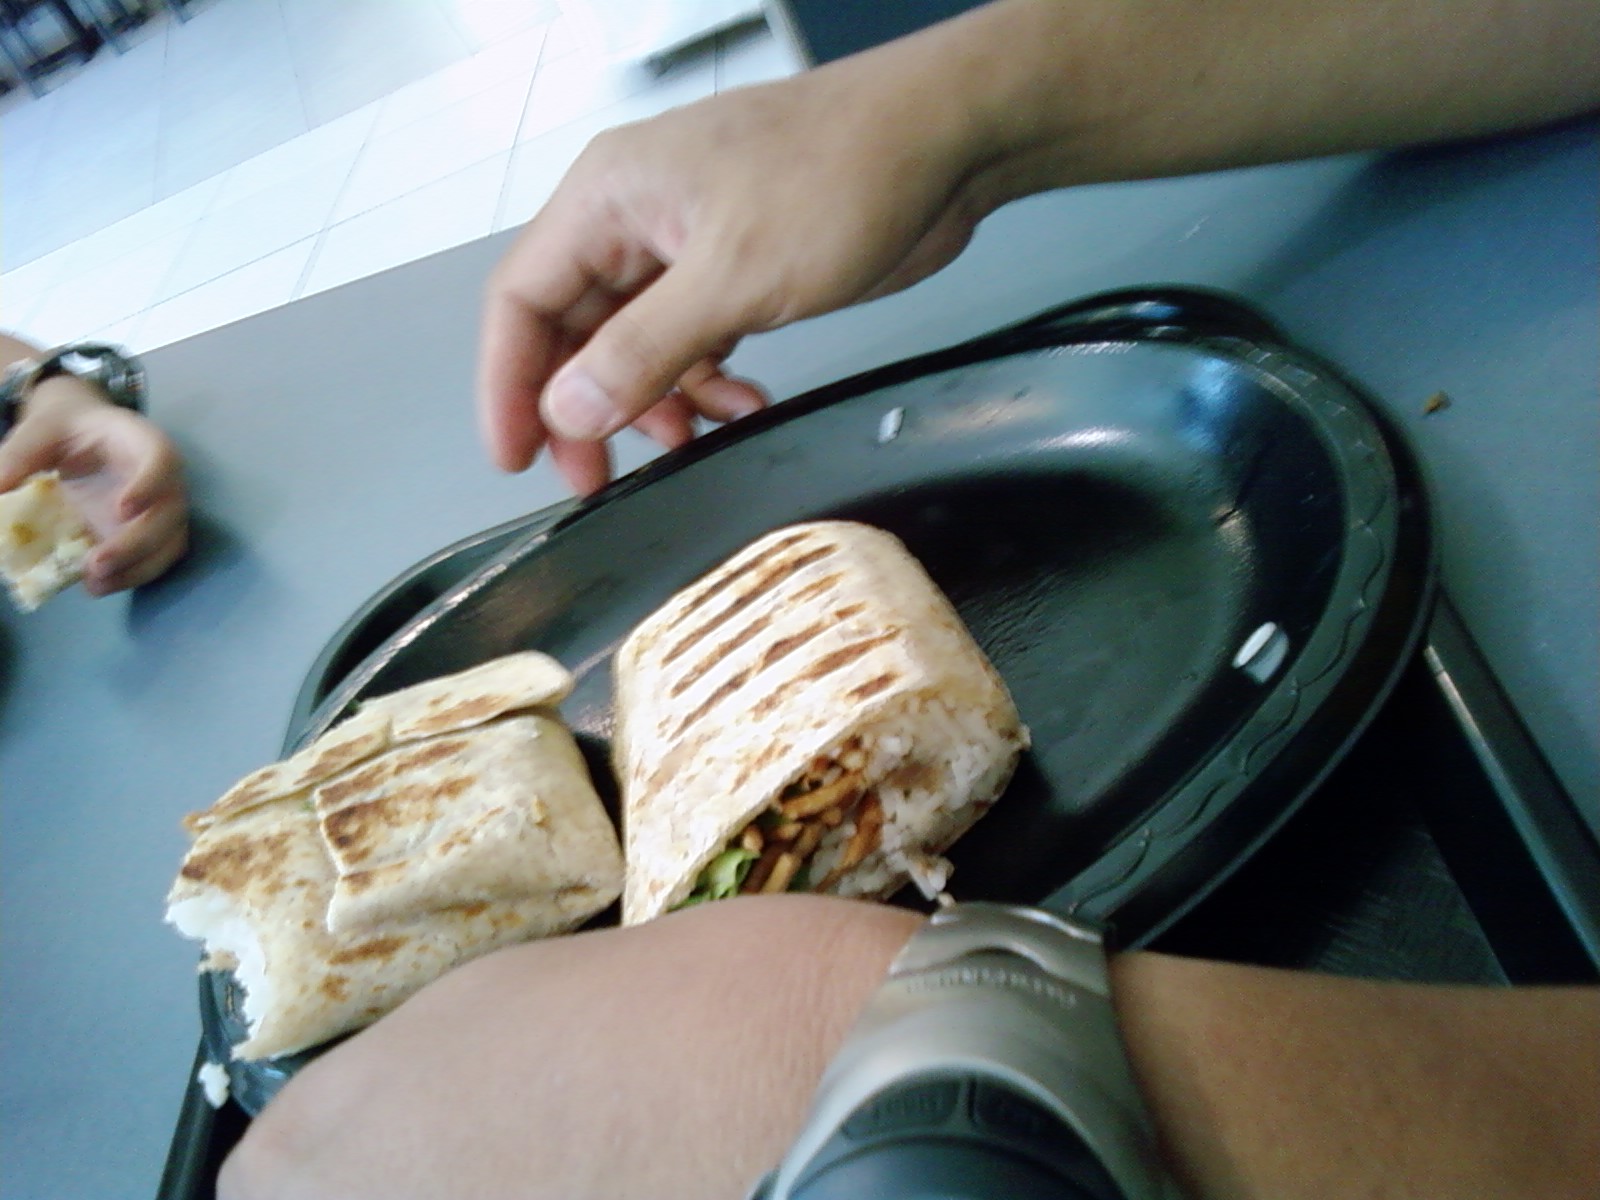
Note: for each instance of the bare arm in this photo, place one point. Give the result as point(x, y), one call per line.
point(1109, 91)
point(678, 1058)
point(1279, 1085)
point(670, 240)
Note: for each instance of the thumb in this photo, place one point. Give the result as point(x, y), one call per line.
point(31, 446)
point(637, 356)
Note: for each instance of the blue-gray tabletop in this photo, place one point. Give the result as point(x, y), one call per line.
point(332, 444)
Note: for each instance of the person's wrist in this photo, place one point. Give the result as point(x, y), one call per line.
point(819, 1008)
point(61, 393)
point(1056, 94)
point(990, 85)
point(929, 96)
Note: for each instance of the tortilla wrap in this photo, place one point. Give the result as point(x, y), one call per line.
point(512, 683)
point(495, 813)
point(436, 824)
point(255, 889)
point(820, 660)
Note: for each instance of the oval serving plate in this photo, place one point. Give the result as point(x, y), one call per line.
point(1194, 554)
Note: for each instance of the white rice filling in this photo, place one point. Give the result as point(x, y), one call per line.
point(213, 1080)
point(230, 942)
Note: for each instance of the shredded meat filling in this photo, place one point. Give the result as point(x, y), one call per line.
point(786, 835)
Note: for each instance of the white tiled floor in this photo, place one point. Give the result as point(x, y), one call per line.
point(268, 149)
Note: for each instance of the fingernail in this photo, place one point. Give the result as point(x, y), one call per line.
point(746, 406)
point(579, 408)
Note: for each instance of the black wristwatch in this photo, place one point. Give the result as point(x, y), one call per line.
point(112, 369)
point(988, 1066)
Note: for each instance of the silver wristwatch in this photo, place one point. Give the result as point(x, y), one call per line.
point(116, 372)
point(989, 1063)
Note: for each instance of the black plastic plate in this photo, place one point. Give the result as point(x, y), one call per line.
point(1118, 497)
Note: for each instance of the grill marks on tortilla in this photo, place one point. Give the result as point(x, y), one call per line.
point(829, 663)
point(729, 686)
point(721, 652)
point(342, 757)
point(353, 829)
point(378, 949)
point(845, 655)
point(835, 660)
point(773, 751)
point(719, 586)
point(816, 587)
point(769, 579)
point(333, 794)
point(777, 650)
point(442, 716)
point(769, 575)
point(784, 647)
point(872, 687)
point(238, 861)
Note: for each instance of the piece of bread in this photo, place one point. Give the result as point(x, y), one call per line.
point(44, 543)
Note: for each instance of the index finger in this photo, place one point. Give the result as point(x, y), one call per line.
point(516, 357)
point(568, 271)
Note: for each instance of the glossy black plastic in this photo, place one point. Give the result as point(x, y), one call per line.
point(1116, 495)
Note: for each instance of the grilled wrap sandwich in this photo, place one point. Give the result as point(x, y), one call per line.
point(438, 823)
point(812, 714)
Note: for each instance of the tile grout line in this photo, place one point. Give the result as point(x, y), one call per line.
point(162, 118)
point(144, 314)
point(294, 66)
point(387, 204)
point(454, 103)
point(328, 222)
point(516, 135)
point(210, 206)
point(298, 291)
point(448, 13)
point(172, 267)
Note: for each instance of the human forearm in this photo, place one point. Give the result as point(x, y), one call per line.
point(1283, 1085)
point(1055, 93)
point(677, 1058)
point(671, 1059)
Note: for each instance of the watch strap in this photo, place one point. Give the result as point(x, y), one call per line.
point(1014, 995)
point(116, 372)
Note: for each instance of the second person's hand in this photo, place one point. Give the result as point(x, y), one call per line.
point(119, 470)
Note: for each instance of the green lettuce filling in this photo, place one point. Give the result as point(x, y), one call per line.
point(722, 877)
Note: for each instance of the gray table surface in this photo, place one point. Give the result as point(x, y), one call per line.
point(332, 445)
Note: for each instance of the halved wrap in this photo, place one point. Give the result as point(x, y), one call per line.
point(436, 824)
point(812, 714)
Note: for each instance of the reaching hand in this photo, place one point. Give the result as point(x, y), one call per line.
point(119, 470)
point(670, 240)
